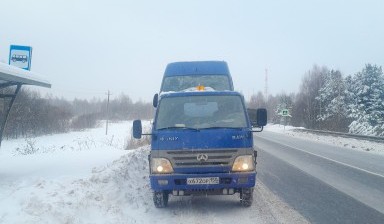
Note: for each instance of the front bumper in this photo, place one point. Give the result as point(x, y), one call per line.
point(171, 182)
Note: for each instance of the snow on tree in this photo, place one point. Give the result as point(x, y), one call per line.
point(331, 98)
point(365, 93)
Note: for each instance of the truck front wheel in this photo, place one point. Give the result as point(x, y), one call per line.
point(160, 198)
point(246, 197)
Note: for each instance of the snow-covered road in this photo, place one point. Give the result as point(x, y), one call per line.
point(326, 183)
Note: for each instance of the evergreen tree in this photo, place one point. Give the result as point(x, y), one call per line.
point(366, 97)
point(333, 112)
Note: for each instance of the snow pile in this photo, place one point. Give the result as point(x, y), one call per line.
point(349, 143)
point(108, 196)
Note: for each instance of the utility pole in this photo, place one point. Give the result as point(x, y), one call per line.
point(106, 127)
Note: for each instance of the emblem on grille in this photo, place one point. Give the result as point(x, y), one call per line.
point(202, 157)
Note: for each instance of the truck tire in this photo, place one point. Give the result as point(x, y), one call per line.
point(160, 199)
point(246, 197)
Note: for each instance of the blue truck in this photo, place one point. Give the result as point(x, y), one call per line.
point(179, 76)
point(202, 143)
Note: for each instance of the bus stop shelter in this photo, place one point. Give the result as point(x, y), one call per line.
point(11, 80)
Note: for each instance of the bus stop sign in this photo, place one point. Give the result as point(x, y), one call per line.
point(20, 56)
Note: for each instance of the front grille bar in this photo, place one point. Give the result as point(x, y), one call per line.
point(186, 158)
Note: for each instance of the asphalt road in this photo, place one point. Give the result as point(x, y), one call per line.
point(325, 184)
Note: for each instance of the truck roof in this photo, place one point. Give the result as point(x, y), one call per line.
point(197, 68)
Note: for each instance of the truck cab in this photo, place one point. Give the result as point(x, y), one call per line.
point(202, 143)
point(180, 76)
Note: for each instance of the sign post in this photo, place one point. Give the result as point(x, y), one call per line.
point(20, 56)
point(285, 114)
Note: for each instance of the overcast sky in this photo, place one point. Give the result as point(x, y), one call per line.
point(87, 47)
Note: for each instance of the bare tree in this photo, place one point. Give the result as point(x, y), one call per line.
point(257, 101)
point(306, 107)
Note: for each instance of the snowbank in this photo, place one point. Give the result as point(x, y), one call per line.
point(349, 143)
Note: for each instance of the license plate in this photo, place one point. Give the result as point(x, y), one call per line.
point(203, 180)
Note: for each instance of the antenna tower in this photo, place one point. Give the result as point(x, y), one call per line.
point(266, 86)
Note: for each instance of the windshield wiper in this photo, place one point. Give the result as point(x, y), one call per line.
point(217, 127)
point(178, 127)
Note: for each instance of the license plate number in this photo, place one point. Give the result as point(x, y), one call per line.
point(203, 180)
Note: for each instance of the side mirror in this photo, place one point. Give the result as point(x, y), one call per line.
point(257, 117)
point(155, 100)
point(261, 117)
point(137, 129)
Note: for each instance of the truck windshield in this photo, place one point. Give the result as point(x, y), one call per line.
point(201, 112)
point(179, 83)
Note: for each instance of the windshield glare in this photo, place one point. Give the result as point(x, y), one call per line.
point(201, 112)
point(179, 83)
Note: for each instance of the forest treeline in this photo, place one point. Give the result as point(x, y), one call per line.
point(33, 115)
point(327, 100)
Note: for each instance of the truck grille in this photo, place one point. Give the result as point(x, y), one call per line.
point(188, 158)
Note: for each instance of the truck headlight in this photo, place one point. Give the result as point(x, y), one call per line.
point(243, 163)
point(161, 165)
